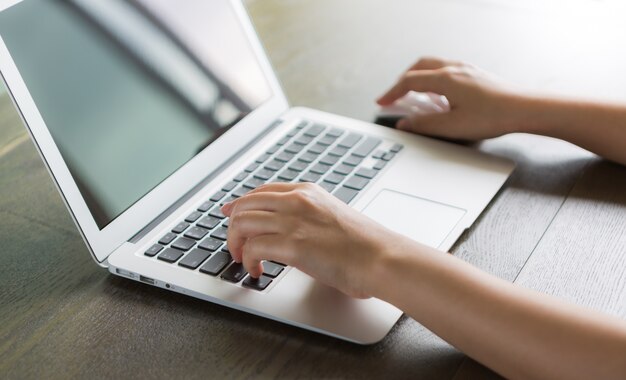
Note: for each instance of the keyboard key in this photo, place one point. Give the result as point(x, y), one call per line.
point(217, 213)
point(396, 148)
point(302, 124)
point(225, 248)
point(226, 223)
point(194, 259)
point(220, 233)
point(259, 284)
point(317, 149)
point(335, 132)
point(294, 148)
point(328, 186)
point(380, 164)
point(180, 227)
point(293, 132)
point(298, 166)
point(152, 251)
point(334, 178)
point(378, 154)
point(235, 273)
point(310, 177)
point(327, 140)
point(345, 195)
point(350, 140)
point(262, 158)
point(367, 147)
point(273, 149)
point(253, 183)
point(211, 244)
point(283, 141)
point(356, 183)
point(229, 186)
point(388, 156)
point(329, 160)
point(228, 200)
point(284, 157)
point(314, 130)
point(217, 196)
point(216, 263)
point(343, 169)
point(209, 222)
point(271, 269)
point(168, 238)
point(303, 140)
point(193, 217)
point(264, 174)
point(241, 176)
point(366, 173)
point(307, 157)
point(252, 167)
point(274, 165)
point(170, 255)
point(197, 233)
point(206, 206)
point(353, 160)
point(288, 175)
point(183, 244)
point(240, 192)
point(338, 151)
point(320, 169)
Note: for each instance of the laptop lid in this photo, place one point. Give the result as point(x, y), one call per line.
point(133, 102)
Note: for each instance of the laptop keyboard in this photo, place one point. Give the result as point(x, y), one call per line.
point(341, 162)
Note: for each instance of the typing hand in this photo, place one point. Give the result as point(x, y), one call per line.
point(481, 107)
point(304, 226)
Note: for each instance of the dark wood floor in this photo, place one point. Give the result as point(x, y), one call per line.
point(558, 225)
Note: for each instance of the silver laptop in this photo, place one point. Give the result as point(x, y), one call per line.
point(150, 114)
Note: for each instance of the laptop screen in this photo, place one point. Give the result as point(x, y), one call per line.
point(131, 90)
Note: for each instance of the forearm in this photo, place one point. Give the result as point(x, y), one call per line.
point(517, 332)
point(597, 127)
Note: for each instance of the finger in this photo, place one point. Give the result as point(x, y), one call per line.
point(262, 201)
point(265, 247)
point(249, 224)
point(421, 81)
point(430, 63)
point(274, 187)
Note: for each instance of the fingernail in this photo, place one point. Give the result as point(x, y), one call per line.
point(402, 124)
point(226, 208)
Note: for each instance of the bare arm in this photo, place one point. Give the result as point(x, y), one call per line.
point(597, 127)
point(517, 332)
point(483, 107)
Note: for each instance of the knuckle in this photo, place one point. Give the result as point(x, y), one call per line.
point(301, 198)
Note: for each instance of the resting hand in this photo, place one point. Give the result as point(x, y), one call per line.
point(481, 107)
point(304, 226)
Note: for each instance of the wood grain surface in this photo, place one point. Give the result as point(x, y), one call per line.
point(557, 226)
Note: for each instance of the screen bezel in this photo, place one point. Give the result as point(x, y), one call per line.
point(103, 242)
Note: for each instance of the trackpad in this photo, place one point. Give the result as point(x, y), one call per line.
point(425, 221)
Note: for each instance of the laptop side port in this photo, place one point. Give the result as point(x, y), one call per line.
point(146, 280)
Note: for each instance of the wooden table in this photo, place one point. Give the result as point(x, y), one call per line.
point(558, 225)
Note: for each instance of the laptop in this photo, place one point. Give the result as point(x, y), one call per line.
point(150, 114)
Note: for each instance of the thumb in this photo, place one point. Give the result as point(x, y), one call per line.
point(420, 81)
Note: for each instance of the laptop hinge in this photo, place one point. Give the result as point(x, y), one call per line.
point(190, 194)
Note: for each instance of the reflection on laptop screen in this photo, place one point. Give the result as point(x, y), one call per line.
point(132, 89)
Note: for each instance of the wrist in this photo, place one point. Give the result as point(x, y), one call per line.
point(384, 270)
point(540, 115)
point(519, 113)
